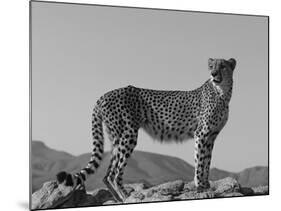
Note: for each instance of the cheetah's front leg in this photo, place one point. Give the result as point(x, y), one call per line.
point(203, 153)
point(209, 145)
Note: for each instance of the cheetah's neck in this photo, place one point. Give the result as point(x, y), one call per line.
point(223, 91)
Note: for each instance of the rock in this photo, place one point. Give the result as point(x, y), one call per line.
point(261, 190)
point(158, 197)
point(247, 191)
point(110, 202)
point(220, 188)
point(169, 188)
point(224, 186)
point(189, 186)
point(196, 195)
point(52, 195)
point(102, 195)
point(135, 197)
point(235, 194)
point(136, 186)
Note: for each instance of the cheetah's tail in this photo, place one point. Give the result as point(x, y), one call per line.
point(98, 146)
point(96, 156)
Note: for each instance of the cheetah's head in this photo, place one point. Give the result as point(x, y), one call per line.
point(221, 70)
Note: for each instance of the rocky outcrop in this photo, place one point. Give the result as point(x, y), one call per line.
point(52, 195)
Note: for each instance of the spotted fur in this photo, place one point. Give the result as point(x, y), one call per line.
point(168, 116)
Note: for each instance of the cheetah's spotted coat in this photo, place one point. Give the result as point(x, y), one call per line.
point(167, 116)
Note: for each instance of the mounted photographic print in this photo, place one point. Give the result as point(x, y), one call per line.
point(136, 105)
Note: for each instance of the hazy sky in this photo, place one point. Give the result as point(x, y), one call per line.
point(80, 52)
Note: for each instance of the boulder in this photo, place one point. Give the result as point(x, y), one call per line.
point(261, 190)
point(52, 195)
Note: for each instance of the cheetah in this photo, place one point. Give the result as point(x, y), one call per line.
point(168, 116)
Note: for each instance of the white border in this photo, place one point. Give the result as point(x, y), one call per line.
point(14, 49)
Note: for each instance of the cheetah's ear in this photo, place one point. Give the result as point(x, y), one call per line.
point(210, 62)
point(232, 63)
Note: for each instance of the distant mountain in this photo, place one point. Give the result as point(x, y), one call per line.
point(142, 167)
point(254, 176)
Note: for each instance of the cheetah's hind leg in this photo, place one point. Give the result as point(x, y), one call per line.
point(118, 196)
point(113, 178)
point(123, 155)
point(108, 179)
